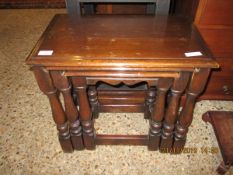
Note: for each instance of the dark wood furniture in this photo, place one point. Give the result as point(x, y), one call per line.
point(222, 122)
point(214, 20)
point(96, 7)
point(160, 7)
point(5, 4)
point(186, 8)
point(75, 55)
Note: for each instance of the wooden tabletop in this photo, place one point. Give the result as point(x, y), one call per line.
point(120, 41)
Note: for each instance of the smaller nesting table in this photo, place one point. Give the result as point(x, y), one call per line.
point(166, 54)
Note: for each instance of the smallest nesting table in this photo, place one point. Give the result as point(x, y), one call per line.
point(167, 54)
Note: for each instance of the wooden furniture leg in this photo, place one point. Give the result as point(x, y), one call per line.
point(177, 89)
point(88, 63)
point(158, 113)
point(46, 86)
point(149, 102)
point(80, 87)
point(63, 85)
point(93, 99)
point(196, 86)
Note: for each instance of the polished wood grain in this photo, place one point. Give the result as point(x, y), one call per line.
point(171, 115)
point(215, 13)
point(149, 102)
point(214, 20)
point(62, 83)
point(102, 42)
point(158, 111)
point(122, 100)
point(196, 87)
point(121, 139)
point(46, 85)
point(80, 88)
point(186, 8)
point(123, 64)
point(220, 42)
point(93, 99)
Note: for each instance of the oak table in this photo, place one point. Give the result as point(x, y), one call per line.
point(165, 55)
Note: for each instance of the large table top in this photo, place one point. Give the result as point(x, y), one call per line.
point(121, 41)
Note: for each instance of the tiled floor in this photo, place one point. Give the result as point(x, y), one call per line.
point(28, 141)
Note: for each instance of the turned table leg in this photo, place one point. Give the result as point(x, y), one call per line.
point(196, 86)
point(80, 87)
point(63, 85)
point(92, 94)
point(150, 99)
point(158, 113)
point(177, 89)
point(46, 86)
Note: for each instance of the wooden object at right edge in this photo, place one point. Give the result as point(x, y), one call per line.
point(222, 122)
point(214, 20)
